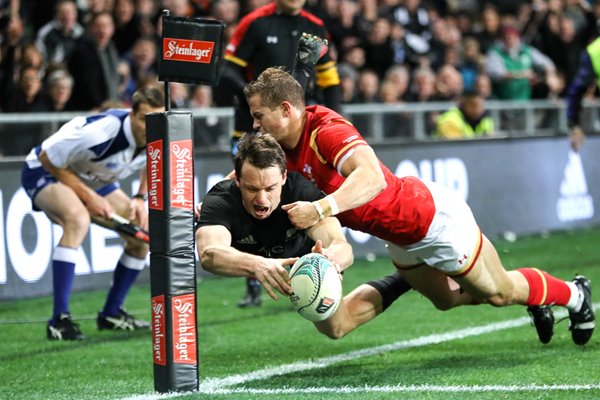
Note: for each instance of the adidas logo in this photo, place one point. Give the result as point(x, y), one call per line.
point(574, 203)
point(247, 240)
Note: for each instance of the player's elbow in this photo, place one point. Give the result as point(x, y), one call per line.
point(207, 259)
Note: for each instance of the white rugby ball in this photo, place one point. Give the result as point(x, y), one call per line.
point(317, 287)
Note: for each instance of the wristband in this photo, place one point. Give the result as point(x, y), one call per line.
point(333, 205)
point(319, 209)
point(140, 196)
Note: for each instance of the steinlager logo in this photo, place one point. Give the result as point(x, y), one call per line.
point(196, 51)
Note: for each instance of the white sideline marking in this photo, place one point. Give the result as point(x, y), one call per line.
point(220, 385)
point(409, 388)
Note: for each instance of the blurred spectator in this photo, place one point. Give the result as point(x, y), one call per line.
point(483, 86)
point(399, 77)
point(405, 48)
point(367, 91)
point(143, 61)
point(379, 55)
point(28, 94)
point(511, 65)
point(89, 8)
point(587, 76)
point(148, 13)
point(448, 84)
point(56, 40)
point(423, 85)
point(344, 27)
point(566, 49)
point(227, 11)
point(414, 18)
point(127, 26)
point(490, 32)
point(348, 79)
point(180, 95)
point(395, 124)
point(60, 88)
point(94, 65)
point(368, 87)
point(207, 130)
point(472, 62)
point(467, 121)
point(355, 56)
point(31, 57)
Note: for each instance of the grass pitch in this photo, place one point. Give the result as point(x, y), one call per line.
point(412, 351)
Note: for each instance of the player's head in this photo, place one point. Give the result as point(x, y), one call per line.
point(290, 7)
point(472, 105)
point(276, 103)
point(260, 173)
point(147, 99)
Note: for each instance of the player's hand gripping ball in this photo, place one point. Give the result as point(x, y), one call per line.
point(317, 287)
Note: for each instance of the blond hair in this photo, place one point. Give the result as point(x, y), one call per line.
point(274, 86)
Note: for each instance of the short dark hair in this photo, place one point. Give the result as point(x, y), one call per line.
point(152, 95)
point(260, 150)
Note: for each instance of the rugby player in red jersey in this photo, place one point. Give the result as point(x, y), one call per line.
point(430, 232)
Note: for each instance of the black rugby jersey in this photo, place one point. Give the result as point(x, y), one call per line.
point(275, 236)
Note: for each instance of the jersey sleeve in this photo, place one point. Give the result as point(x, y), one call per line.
point(218, 207)
point(336, 141)
point(76, 140)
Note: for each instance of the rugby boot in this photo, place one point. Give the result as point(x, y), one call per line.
point(252, 297)
point(63, 328)
point(543, 320)
point(123, 321)
point(583, 321)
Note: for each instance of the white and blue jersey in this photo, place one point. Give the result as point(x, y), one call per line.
point(100, 149)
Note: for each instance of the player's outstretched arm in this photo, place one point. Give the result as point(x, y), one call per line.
point(334, 244)
point(219, 257)
point(364, 181)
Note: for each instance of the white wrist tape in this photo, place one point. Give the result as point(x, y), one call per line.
point(319, 209)
point(333, 205)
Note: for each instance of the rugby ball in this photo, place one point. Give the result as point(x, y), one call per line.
point(316, 286)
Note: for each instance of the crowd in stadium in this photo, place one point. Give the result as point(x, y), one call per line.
point(68, 55)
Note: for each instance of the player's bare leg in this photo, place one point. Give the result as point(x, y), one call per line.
point(443, 291)
point(358, 307)
point(63, 207)
point(113, 315)
point(363, 304)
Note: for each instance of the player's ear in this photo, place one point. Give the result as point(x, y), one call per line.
point(284, 177)
point(235, 178)
point(287, 108)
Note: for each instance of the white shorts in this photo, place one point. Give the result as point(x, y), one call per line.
point(453, 241)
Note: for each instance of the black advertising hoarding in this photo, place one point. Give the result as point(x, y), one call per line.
point(191, 50)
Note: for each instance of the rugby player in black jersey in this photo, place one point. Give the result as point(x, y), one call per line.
point(242, 231)
point(275, 35)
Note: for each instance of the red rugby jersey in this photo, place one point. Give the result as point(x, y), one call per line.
point(400, 214)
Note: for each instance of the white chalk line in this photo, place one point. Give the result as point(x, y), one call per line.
point(220, 385)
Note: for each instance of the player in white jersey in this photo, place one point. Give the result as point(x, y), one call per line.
point(74, 176)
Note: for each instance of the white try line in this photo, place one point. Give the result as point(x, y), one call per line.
point(221, 385)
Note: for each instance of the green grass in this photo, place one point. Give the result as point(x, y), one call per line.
point(499, 365)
